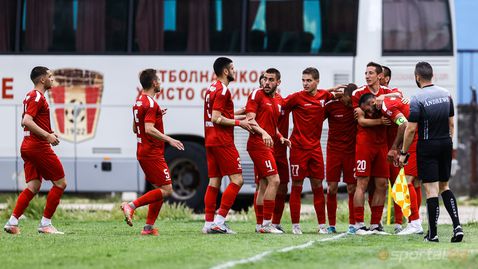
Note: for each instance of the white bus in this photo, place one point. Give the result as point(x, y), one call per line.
point(97, 49)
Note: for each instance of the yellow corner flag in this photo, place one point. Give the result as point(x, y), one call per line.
point(400, 193)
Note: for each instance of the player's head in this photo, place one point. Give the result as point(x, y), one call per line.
point(423, 73)
point(271, 80)
point(149, 80)
point(310, 79)
point(261, 80)
point(368, 103)
point(387, 76)
point(42, 76)
point(347, 97)
point(373, 74)
point(224, 68)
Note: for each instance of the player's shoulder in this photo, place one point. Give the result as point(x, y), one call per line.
point(148, 101)
point(256, 94)
point(360, 90)
point(332, 103)
point(35, 95)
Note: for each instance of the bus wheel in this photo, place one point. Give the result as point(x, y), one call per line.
point(188, 170)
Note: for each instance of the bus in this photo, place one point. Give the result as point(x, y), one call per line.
point(96, 50)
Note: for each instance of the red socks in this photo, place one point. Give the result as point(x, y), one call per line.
point(418, 191)
point(331, 208)
point(153, 212)
point(52, 201)
point(294, 204)
point(414, 215)
point(210, 203)
point(228, 198)
point(376, 214)
point(319, 204)
point(398, 215)
point(278, 208)
point(22, 202)
point(268, 209)
point(351, 208)
point(359, 213)
point(148, 198)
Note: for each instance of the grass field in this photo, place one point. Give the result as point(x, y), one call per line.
point(113, 244)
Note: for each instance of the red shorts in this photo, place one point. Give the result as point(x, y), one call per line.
point(340, 164)
point(394, 171)
point(156, 171)
point(264, 163)
point(283, 168)
point(306, 163)
point(42, 164)
point(223, 161)
point(411, 168)
point(371, 161)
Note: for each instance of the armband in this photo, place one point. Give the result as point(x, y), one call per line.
point(400, 121)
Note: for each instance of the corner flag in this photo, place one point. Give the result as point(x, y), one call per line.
point(400, 193)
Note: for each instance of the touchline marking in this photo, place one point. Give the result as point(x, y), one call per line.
point(264, 254)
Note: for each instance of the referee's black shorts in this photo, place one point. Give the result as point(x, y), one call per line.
point(434, 160)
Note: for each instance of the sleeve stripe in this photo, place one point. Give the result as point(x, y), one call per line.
point(37, 98)
point(253, 95)
point(151, 101)
point(224, 89)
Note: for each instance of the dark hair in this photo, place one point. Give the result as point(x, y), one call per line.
point(387, 72)
point(424, 70)
point(350, 89)
point(311, 71)
point(147, 77)
point(37, 73)
point(274, 71)
point(220, 64)
point(364, 98)
point(378, 68)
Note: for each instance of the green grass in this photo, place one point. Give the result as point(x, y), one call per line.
point(113, 244)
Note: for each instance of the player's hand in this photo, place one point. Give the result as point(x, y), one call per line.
point(338, 88)
point(163, 111)
point(405, 101)
point(247, 125)
point(176, 144)
point(392, 156)
point(402, 160)
point(385, 121)
point(380, 98)
point(267, 140)
point(355, 115)
point(286, 141)
point(53, 139)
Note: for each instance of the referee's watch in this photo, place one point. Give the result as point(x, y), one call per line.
point(403, 153)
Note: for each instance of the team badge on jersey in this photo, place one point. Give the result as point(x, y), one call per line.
point(75, 100)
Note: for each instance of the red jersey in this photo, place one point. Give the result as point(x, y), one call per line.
point(35, 105)
point(147, 110)
point(218, 97)
point(308, 116)
point(267, 115)
point(392, 129)
point(282, 126)
point(391, 108)
point(342, 127)
point(376, 135)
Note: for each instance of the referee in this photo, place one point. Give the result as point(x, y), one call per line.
point(432, 110)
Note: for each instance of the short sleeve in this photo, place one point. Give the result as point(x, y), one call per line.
point(33, 106)
point(252, 102)
point(222, 96)
point(452, 107)
point(355, 99)
point(414, 110)
point(289, 102)
point(150, 114)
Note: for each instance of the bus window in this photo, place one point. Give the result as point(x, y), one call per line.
point(419, 26)
point(8, 17)
point(74, 25)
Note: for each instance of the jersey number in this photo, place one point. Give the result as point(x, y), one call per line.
point(294, 169)
point(361, 165)
point(269, 165)
point(136, 120)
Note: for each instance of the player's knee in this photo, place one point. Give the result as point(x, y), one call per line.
point(34, 189)
point(443, 186)
point(332, 189)
point(167, 192)
point(274, 181)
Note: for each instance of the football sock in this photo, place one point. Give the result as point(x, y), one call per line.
point(278, 208)
point(148, 198)
point(450, 204)
point(294, 203)
point(22, 203)
point(153, 212)
point(351, 209)
point(52, 201)
point(359, 214)
point(433, 212)
point(259, 214)
point(268, 209)
point(414, 214)
point(331, 208)
point(319, 204)
point(397, 213)
point(418, 191)
point(210, 203)
point(228, 198)
point(376, 214)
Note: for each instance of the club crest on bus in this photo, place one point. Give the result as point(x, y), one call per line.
point(75, 99)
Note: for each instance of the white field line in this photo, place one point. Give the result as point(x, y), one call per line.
point(264, 254)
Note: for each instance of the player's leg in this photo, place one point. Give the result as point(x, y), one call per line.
point(332, 205)
point(359, 200)
point(283, 169)
point(381, 173)
point(363, 160)
point(316, 172)
point(258, 209)
point(334, 166)
point(351, 187)
point(154, 209)
point(228, 198)
point(414, 225)
point(298, 169)
point(348, 172)
point(397, 211)
point(261, 189)
point(212, 191)
point(272, 183)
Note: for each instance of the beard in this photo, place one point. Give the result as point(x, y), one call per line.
point(418, 83)
point(230, 78)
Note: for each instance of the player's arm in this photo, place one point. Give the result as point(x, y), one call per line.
point(451, 125)
point(28, 122)
point(134, 127)
point(240, 114)
point(152, 131)
point(219, 119)
point(362, 121)
point(407, 141)
point(251, 116)
point(402, 123)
